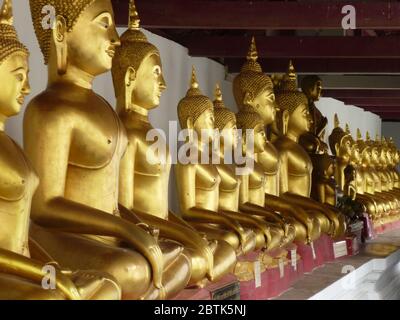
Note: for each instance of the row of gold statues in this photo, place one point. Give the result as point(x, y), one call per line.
point(99, 209)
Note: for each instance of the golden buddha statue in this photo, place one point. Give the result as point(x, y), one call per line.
point(296, 166)
point(198, 183)
point(75, 141)
point(312, 141)
point(346, 151)
point(387, 192)
point(22, 261)
point(365, 183)
point(139, 83)
point(323, 187)
point(395, 156)
point(254, 89)
point(245, 202)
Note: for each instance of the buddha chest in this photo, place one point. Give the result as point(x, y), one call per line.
point(228, 188)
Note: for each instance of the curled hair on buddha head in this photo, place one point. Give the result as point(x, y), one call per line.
point(194, 104)
point(70, 10)
point(134, 49)
point(222, 114)
point(288, 97)
point(251, 80)
point(246, 118)
point(9, 42)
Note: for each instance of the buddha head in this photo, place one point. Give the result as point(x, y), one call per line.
point(324, 166)
point(247, 119)
point(252, 87)
point(225, 121)
point(312, 87)
point(196, 111)
point(13, 65)
point(364, 150)
point(293, 105)
point(374, 152)
point(395, 153)
point(82, 39)
point(340, 142)
point(137, 69)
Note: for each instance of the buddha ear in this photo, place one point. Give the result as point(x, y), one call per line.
point(248, 99)
point(285, 121)
point(189, 123)
point(337, 148)
point(130, 76)
point(59, 34)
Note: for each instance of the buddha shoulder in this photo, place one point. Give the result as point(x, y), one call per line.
point(88, 122)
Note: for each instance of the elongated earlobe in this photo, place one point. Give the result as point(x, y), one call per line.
point(60, 41)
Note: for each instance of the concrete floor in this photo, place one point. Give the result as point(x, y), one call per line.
point(319, 279)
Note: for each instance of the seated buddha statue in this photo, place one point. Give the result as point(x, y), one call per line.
point(369, 185)
point(324, 186)
point(75, 142)
point(198, 181)
point(253, 89)
point(346, 151)
point(312, 141)
point(386, 178)
point(393, 165)
point(296, 166)
point(22, 262)
point(139, 82)
point(237, 202)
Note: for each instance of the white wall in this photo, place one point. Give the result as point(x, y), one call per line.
point(355, 117)
point(177, 70)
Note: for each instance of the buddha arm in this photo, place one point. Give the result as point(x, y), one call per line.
point(321, 192)
point(186, 179)
point(174, 231)
point(18, 265)
point(248, 220)
point(47, 141)
point(246, 206)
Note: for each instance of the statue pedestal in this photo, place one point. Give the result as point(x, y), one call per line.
point(314, 255)
point(227, 288)
point(273, 282)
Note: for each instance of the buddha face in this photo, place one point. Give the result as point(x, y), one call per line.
point(300, 120)
point(355, 155)
point(229, 135)
point(260, 139)
point(265, 106)
point(315, 91)
point(375, 156)
point(345, 148)
point(15, 84)
point(149, 83)
point(91, 43)
point(204, 125)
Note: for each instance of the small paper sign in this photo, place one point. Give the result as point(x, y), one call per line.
point(293, 258)
point(257, 274)
point(281, 268)
point(313, 251)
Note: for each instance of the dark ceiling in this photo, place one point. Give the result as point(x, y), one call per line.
point(308, 32)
